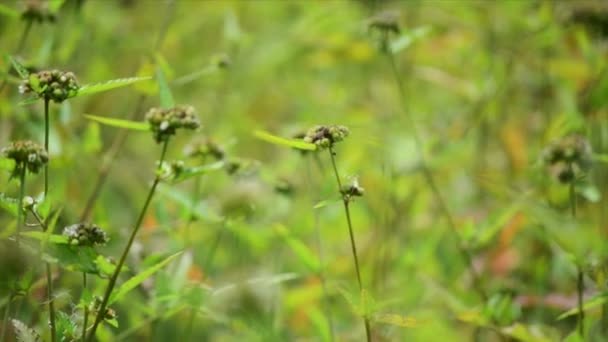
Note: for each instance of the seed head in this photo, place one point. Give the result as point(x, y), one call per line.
point(37, 10)
point(352, 190)
point(205, 148)
point(54, 85)
point(568, 158)
point(164, 122)
point(387, 21)
point(85, 234)
point(326, 136)
point(26, 154)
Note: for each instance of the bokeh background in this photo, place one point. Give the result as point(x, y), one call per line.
point(488, 84)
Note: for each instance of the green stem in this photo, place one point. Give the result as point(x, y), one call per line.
point(353, 245)
point(49, 283)
point(428, 175)
point(580, 286)
point(86, 309)
point(46, 145)
point(7, 312)
point(20, 203)
point(123, 258)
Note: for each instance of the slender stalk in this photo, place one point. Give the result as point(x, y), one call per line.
point(580, 286)
point(428, 175)
point(49, 284)
point(86, 309)
point(46, 145)
point(353, 245)
point(123, 257)
point(20, 203)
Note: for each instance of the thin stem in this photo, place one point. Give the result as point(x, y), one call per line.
point(346, 201)
point(20, 203)
point(580, 286)
point(428, 175)
point(49, 283)
point(7, 312)
point(46, 145)
point(86, 309)
point(123, 257)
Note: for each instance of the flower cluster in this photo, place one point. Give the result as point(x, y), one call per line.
point(387, 21)
point(27, 155)
point(171, 170)
point(53, 85)
point(326, 136)
point(568, 157)
point(164, 122)
point(205, 148)
point(352, 190)
point(85, 234)
point(37, 10)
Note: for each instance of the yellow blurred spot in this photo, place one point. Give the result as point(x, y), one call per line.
point(360, 52)
point(397, 320)
point(514, 140)
point(322, 59)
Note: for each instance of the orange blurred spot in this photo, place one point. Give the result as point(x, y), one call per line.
point(195, 274)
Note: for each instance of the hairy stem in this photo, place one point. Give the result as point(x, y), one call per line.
point(123, 257)
point(49, 282)
point(428, 175)
point(353, 245)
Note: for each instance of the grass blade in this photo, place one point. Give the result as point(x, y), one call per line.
point(133, 125)
point(109, 85)
point(166, 98)
point(273, 139)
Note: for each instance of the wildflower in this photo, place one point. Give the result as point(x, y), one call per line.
point(37, 10)
point(27, 155)
point(85, 234)
point(53, 85)
point(164, 122)
point(352, 190)
point(205, 148)
point(326, 136)
point(387, 21)
point(568, 157)
point(171, 170)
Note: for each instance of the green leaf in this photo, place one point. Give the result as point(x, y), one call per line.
point(408, 38)
point(139, 278)
point(273, 139)
point(109, 85)
point(302, 251)
point(55, 5)
point(30, 100)
point(24, 333)
point(589, 304)
point(91, 140)
point(9, 12)
point(197, 171)
point(52, 238)
point(104, 265)
point(397, 320)
point(21, 70)
point(326, 202)
point(166, 98)
point(66, 327)
point(9, 204)
point(134, 125)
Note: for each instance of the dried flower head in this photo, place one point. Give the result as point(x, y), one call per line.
point(568, 158)
point(37, 10)
point(109, 314)
point(85, 234)
point(386, 21)
point(27, 155)
point(53, 85)
point(164, 122)
point(170, 170)
point(205, 148)
point(326, 136)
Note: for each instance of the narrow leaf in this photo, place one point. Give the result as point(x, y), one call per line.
point(139, 278)
point(325, 203)
point(166, 98)
point(197, 171)
point(31, 100)
point(21, 70)
point(397, 320)
point(134, 125)
point(109, 85)
point(273, 139)
point(593, 302)
point(42, 236)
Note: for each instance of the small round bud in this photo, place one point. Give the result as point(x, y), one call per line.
point(326, 136)
point(568, 158)
point(55, 85)
point(85, 234)
point(165, 122)
point(26, 154)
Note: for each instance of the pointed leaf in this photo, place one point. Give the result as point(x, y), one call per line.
point(589, 304)
point(21, 70)
point(52, 238)
point(197, 171)
point(326, 202)
point(109, 85)
point(30, 100)
point(397, 320)
point(139, 278)
point(166, 98)
point(134, 125)
point(273, 139)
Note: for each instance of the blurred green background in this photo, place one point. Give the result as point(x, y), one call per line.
point(488, 84)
